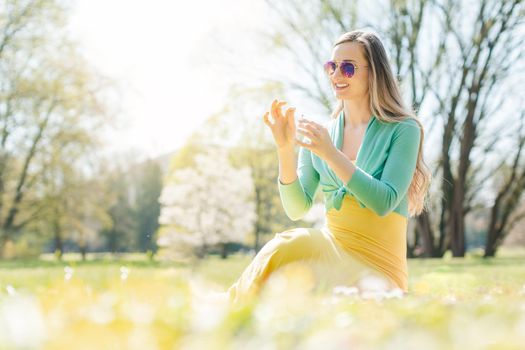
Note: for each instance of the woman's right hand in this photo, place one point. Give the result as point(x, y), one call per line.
point(283, 127)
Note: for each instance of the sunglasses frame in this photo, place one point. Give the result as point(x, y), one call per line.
point(338, 65)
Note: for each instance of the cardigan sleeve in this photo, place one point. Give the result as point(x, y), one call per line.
point(384, 195)
point(297, 197)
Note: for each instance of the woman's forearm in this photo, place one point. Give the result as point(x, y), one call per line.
point(287, 165)
point(341, 165)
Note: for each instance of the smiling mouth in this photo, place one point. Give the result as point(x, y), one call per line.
point(340, 87)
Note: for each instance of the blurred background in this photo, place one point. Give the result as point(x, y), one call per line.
point(136, 126)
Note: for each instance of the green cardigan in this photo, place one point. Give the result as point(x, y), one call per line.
point(385, 165)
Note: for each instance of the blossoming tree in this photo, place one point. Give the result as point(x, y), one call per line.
point(207, 204)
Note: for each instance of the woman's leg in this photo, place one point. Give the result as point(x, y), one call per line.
point(284, 247)
point(298, 244)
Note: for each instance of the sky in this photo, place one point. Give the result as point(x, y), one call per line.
point(156, 50)
point(151, 49)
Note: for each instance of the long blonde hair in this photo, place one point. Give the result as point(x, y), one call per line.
point(387, 105)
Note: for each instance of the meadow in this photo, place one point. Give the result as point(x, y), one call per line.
point(133, 303)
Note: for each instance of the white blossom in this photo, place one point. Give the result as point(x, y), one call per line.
point(208, 203)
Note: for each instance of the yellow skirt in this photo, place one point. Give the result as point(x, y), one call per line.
point(354, 243)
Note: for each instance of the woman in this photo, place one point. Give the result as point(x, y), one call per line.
point(368, 161)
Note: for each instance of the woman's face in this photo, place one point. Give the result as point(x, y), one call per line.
point(355, 87)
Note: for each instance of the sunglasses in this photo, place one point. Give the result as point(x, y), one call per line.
point(346, 68)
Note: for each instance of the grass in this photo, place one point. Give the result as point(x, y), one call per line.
point(468, 303)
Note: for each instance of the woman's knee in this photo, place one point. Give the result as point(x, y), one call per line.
point(299, 240)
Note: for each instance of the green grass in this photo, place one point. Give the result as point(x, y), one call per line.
point(469, 303)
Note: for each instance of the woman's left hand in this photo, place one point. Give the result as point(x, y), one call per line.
point(320, 142)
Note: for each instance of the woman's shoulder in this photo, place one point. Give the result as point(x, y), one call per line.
point(410, 123)
point(404, 123)
point(402, 127)
point(409, 127)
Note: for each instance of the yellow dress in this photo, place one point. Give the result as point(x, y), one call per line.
point(354, 242)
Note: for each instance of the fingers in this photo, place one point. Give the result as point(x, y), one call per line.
point(276, 113)
point(307, 133)
point(309, 122)
point(303, 144)
point(290, 117)
point(313, 123)
point(276, 109)
point(272, 108)
point(309, 127)
point(266, 120)
point(289, 112)
point(274, 101)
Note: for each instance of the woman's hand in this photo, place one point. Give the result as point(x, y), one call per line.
point(320, 142)
point(283, 127)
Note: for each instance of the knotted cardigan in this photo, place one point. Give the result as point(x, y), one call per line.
point(385, 166)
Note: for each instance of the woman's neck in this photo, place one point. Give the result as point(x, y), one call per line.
point(357, 113)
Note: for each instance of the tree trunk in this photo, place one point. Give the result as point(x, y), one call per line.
point(424, 231)
point(4, 244)
point(82, 245)
point(201, 251)
point(59, 249)
point(20, 187)
point(410, 249)
point(490, 248)
point(456, 229)
point(59, 246)
point(83, 252)
point(113, 242)
point(224, 251)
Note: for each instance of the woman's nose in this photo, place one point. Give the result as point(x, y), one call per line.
point(336, 75)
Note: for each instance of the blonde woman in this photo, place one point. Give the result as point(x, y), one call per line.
point(368, 161)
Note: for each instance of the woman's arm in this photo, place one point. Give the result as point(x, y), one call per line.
point(296, 188)
point(385, 194)
point(287, 164)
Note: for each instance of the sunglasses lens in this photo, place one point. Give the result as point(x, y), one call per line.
point(348, 69)
point(329, 67)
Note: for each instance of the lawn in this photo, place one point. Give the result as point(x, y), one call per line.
point(466, 303)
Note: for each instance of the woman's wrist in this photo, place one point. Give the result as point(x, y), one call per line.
point(333, 156)
point(286, 148)
point(341, 165)
point(287, 164)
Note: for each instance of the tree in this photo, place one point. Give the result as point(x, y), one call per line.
point(74, 203)
point(470, 100)
point(504, 214)
point(148, 187)
point(48, 94)
point(208, 204)
point(120, 234)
